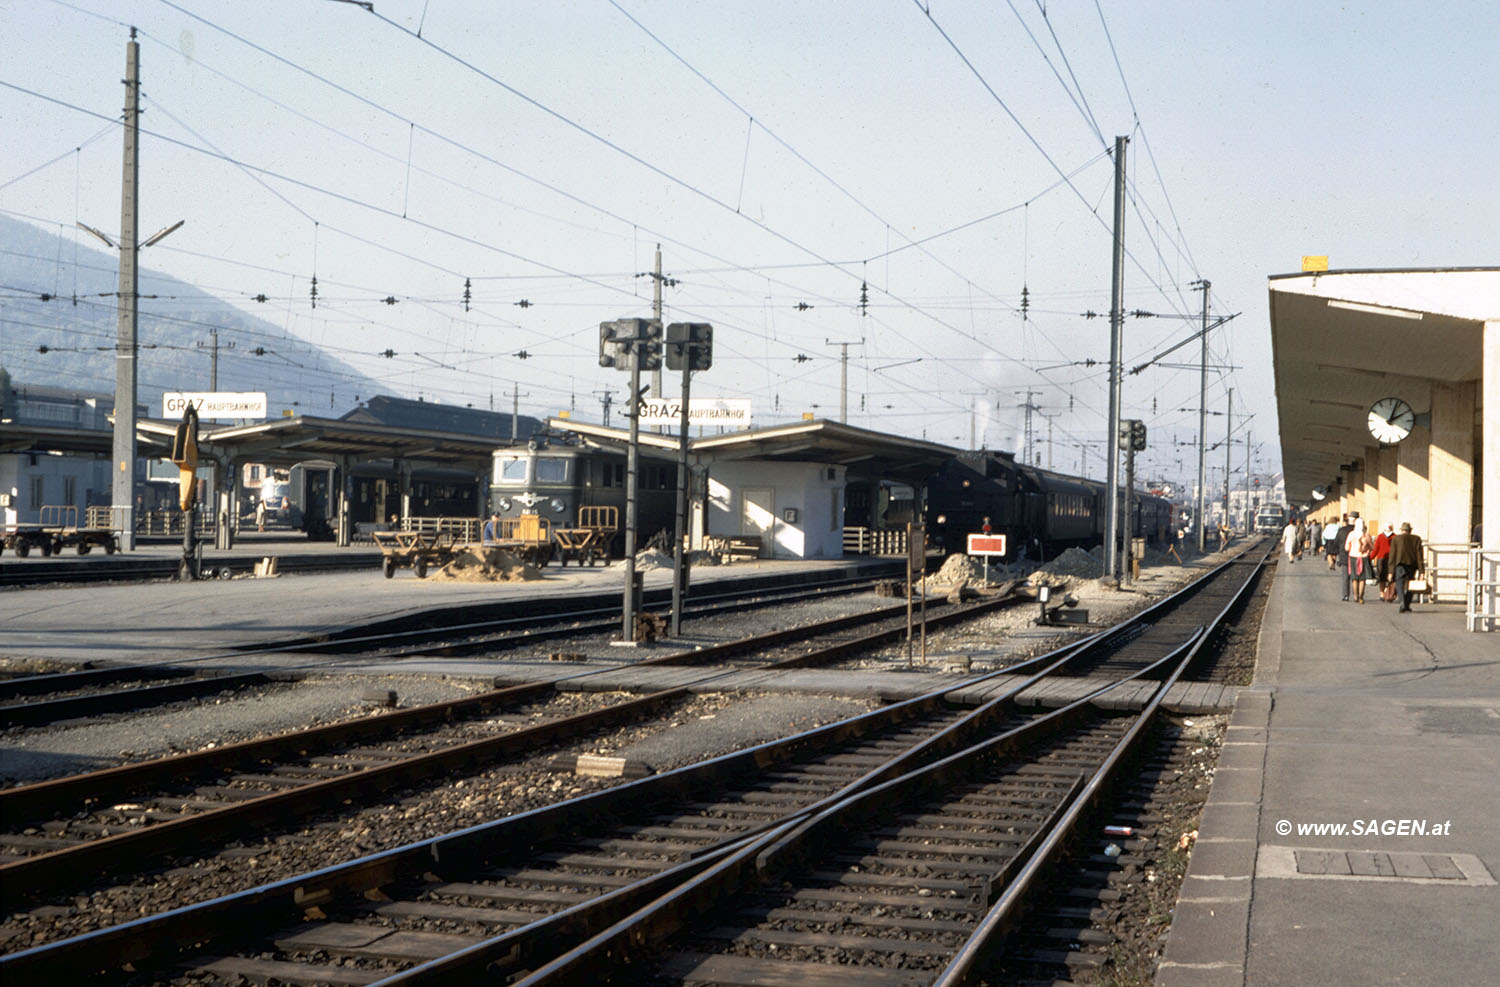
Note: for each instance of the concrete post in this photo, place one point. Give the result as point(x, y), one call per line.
point(1490, 431)
point(1411, 480)
point(1386, 489)
point(1355, 483)
point(1450, 461)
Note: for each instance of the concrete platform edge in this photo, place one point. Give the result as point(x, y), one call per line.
point(1209, 941)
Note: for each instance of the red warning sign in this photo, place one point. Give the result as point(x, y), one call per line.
point(986, 544)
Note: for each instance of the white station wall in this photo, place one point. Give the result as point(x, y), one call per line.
point(813, 491)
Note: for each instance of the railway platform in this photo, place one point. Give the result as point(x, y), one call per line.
point(1352, 834)
point(160, 620)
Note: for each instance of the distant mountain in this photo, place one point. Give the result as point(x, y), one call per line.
point(61, 295)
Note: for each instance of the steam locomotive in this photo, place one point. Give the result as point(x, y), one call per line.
point(1040, 512)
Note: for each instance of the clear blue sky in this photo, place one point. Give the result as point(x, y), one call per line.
point(946, 154)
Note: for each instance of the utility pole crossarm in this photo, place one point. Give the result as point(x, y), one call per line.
point(1179, 345)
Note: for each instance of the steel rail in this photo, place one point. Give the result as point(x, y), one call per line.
point(984, 945)
point(160, 934)
point(772, 857)
point(20, 879)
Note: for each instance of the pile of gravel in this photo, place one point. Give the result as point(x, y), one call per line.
point(959, 570)
point(1074, 562)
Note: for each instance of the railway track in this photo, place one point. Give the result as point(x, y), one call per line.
point(61, 832)
point(517, 895)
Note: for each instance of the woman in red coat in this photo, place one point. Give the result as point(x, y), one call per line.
point(1380, 557)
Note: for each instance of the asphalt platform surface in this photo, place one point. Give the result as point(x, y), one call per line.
point(1386, 724)
point(161, 620)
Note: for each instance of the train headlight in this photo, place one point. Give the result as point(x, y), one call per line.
point(942, 519)
point(505, 503)
point(557, 506)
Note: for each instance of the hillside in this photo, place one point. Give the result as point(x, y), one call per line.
point(59, 294)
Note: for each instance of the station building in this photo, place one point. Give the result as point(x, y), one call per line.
point(810, 490)
point(1388, 391)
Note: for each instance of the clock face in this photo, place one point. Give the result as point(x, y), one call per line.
point(1391, 420)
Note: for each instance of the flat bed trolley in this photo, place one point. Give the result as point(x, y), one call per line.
point(416, 549)
point(589, 541)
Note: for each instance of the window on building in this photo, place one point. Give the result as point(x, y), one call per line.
point(38, 487)
point(70, 490)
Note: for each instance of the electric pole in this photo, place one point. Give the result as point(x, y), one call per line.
point(1202, 420)
point(606, 398)
point(1116, 318)
point(515, 408)
point(1228, 447)
point(122, 488)
point(1030, 456)
point(843, 376)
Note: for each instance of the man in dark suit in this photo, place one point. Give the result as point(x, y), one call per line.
point(1406, 559)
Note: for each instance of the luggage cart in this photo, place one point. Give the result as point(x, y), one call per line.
point(589, 541)
point(416, 549)
point(528, 537)
point(60, 523)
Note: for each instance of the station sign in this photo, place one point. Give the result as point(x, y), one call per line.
point(729, 412)
point(215, 404)
point(986, 544)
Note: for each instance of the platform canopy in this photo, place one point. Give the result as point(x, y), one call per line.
point(834, 443)
point(1343, 340)
point(305, 438)
point(71, 441)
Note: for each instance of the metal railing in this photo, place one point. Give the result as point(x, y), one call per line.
point(463, 529)
point(873, 541)
point(1448, 572)
point(1483, 610)
point(169, 522)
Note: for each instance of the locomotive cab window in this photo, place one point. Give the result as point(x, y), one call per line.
point(511, 470)
point(551, 469)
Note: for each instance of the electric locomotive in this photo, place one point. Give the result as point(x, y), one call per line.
point(553, 479)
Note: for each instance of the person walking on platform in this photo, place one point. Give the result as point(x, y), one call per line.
point(1289, 541)
point(1341, 551)
point(1406, 561)
point(1380, 562)
point(260, 515)
point(1358, 549)
point(1315, 536)
point(1331, 540)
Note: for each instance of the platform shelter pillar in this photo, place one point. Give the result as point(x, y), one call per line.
point(1385, 486)
point(1450, 460)
point(343, 533)
point(224, 526)
point(1489, 381)
point(1355, 483)
point(1412, 485)
point(403, 480)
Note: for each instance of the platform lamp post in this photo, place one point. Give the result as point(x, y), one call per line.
point(689, 347)
point(633, 345)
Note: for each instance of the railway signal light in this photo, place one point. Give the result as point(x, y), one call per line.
point(1132, 434)
point(690, 346)
point(627, 342)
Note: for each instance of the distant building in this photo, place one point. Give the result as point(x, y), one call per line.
point(31, 480)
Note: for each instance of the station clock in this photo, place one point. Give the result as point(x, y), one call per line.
point(1391, 420)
